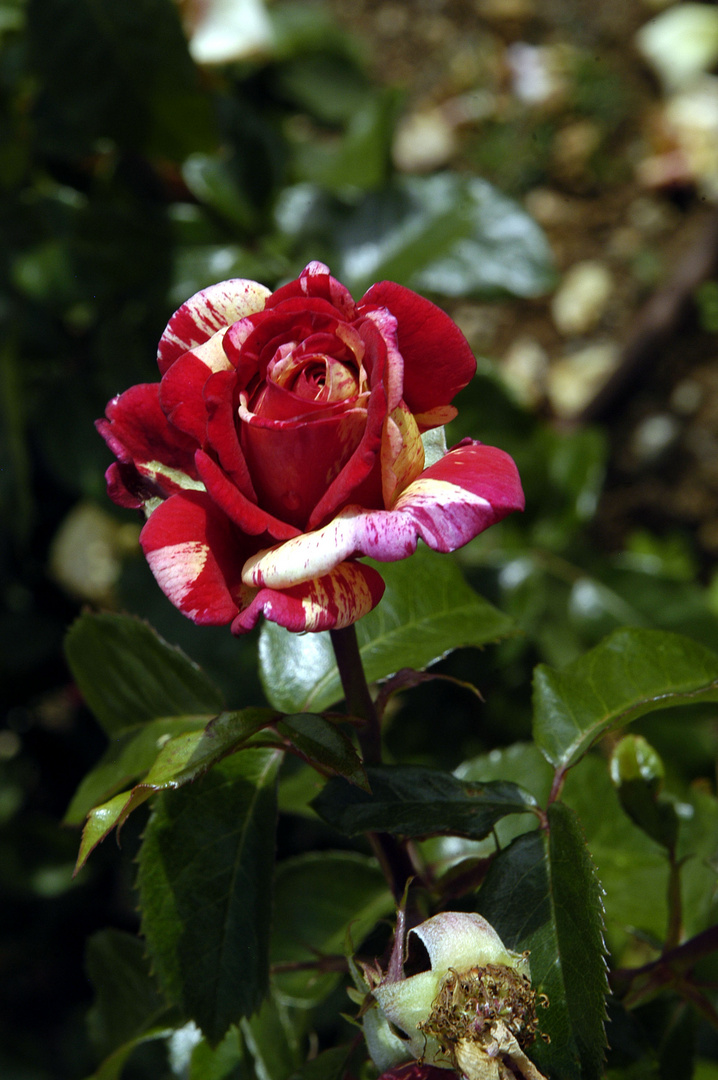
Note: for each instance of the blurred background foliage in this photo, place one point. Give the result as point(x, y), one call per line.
point(149, 148)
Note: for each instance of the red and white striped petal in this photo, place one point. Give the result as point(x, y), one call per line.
point(472, 487)
point(196, 557)
point(331, 602)
point(207, 312)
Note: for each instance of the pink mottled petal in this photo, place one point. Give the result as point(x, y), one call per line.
point(402, 453)
point(331, 602)
point(196, 557)
point(472, 487)
point(139, 434)
point(207, 312)
point(469, 489)
point(245, 514)
point(438, 361)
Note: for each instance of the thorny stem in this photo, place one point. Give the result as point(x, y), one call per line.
point(393, 856)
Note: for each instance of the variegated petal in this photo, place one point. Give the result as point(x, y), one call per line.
point(472, 487)
point(205, 313)
point(330, 602)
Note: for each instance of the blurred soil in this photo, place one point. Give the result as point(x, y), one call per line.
point(553, 101)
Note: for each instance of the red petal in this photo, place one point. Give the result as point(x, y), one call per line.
point(438, 361)
point(316, 281)
point(220, 395)
point(245, 514)
point(139, 434)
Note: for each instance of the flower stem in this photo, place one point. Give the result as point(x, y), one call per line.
point(391, 853)
point(356, 692)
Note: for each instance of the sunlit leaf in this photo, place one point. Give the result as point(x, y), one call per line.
point(630, 673)
point(428, 609)
point(179, 759)
point(447, 234)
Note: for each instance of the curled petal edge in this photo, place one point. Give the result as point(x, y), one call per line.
point(444, 507)
point(331, 602)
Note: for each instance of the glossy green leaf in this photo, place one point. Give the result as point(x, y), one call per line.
point(128, 757)
point(446, 234)
point(630, 673)
point(319, 896)
point(127, 674)
point(410, 800)
point(542, 894)
point(145, 89)
point(179, 760)
point(324, 745)
point(428, 609)
point(637, 773)
point(205, 872)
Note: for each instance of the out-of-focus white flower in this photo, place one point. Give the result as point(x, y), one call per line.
point(220, 31)
point(681, 43)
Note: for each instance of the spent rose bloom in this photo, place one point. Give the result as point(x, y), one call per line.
point(472, 1010)
point(284, 442)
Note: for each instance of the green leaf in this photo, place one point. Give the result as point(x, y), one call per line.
point(329, 1065)
point(323, 745)
point(630, 673)
point(428, 609)
point(145, 89)
point(180, 759)
point(542, 894)
point(128, 757)
point(446, 234)
point(272, 1040)
point(112, 1068)
point(637, 773)
point(127, 1001)
point(205, 872)
point(410, 800)
point(127, 674)
point(633, 869)
point(317, 896)
point(226, 1061)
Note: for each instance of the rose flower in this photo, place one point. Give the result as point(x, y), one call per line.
point(284, 442)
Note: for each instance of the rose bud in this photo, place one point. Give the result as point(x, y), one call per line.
point(286, 440)
point(473, 1011)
